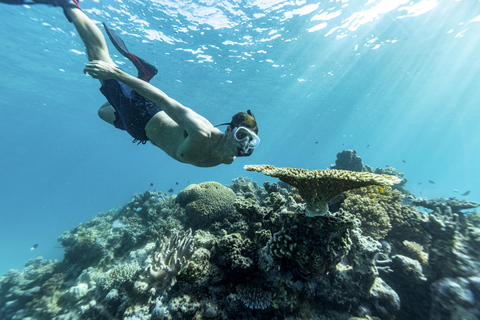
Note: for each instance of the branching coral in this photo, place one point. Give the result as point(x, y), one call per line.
point(416, 250)
point(371, 212)
point(169, 260)
point(318, 187)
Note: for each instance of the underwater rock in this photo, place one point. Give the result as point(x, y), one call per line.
point(455, 298)
point(385, 299)
point(408, 269)
point(348, 160)
point(206, 203)
point(210, 309)
point(319, 187)
point(77, 292)
point(408, 280)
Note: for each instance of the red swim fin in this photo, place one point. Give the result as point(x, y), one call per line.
point(146, 71)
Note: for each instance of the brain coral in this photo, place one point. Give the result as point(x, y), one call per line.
point(206, 203)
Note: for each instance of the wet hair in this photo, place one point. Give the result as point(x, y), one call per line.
point(245, 120)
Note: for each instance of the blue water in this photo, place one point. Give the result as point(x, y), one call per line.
point(396, 80)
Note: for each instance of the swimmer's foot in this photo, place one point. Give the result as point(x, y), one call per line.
point(146, 71)
point(56, 3)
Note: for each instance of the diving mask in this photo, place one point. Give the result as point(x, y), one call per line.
point(247, 137)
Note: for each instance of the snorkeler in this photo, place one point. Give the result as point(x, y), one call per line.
point(145, 111)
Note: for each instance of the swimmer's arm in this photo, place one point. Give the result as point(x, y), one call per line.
point(185, 117)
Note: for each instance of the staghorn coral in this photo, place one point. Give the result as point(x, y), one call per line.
point(455, 298)
point(169, 260)
point(318, 187)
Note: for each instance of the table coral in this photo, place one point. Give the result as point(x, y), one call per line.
point(444, 205)
point(318, 187)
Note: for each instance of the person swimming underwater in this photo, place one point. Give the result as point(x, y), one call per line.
point(145, 111)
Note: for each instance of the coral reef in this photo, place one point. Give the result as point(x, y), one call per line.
point(318, 187)
point(246, 251)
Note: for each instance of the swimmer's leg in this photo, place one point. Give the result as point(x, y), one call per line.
point(107, 113)
point(91, 35)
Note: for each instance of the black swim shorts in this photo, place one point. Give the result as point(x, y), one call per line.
point(132, 111)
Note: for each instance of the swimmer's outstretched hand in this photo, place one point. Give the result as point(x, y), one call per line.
point(101, 70)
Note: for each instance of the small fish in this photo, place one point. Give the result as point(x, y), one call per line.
point(456, 190)
point(404, 161)
point(151, 184)
point(176, 183)
point(381, 190)
point(316, 142)
point(466, 193)
point(432, 182)
point(419, 183)
point(170, 190)
point(35, 246)
point(368, 145)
